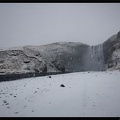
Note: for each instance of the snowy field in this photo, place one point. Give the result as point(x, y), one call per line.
point(86, 94)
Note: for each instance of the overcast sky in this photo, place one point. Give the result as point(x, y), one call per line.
point(43, 23)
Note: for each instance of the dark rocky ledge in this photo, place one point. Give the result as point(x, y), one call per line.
point(13, 76)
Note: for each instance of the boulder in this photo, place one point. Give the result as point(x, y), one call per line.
point(62, 85)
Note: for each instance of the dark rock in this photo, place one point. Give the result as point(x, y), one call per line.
point(16, 112)
point(62, 85)
point(49, 76)
point(26, 61)
point(7, 104)
point(4, 101)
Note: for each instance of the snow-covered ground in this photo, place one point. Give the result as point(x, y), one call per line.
point(88, 94)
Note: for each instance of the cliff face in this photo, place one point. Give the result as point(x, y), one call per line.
point(70, 53)
point(61, 57)
point(56, 57)
point(111, 49)
point(16, 61)
point(76, 56)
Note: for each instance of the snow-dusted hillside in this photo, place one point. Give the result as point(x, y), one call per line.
point(85, 94)
point(52, 58)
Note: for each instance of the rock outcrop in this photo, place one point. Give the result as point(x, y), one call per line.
point(62, 57)
point(111, 49)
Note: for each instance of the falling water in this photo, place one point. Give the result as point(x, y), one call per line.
point(93, 59)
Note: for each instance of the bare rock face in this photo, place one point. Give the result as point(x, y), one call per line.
point(63, 56)
point(111, 49)
point(16, 61)
point(59, 64)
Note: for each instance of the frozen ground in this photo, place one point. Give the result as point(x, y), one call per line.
point(88, 94)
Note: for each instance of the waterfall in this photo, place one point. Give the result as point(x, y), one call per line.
point(93, 59)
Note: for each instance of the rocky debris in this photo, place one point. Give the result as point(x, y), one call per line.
point(62, 85)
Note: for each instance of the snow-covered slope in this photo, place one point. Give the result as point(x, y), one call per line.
point(85, 94)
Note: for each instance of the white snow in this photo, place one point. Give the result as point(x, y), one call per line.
point(86, 94)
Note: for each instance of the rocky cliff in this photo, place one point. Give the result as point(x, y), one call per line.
point(60, 58)
point(111, 51)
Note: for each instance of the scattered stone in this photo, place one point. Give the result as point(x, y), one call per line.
point(14, 96)
point(8, 107)
point(62, 85)
point(7, 104)
point(16, 112)
point(49, 76)
point(4, 101)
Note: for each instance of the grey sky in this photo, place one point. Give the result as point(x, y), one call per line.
point(43, 23)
